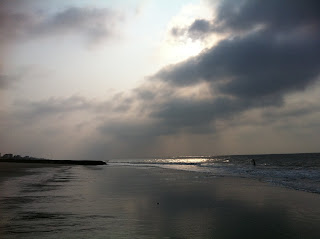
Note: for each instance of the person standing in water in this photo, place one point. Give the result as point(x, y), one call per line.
point(253, 162)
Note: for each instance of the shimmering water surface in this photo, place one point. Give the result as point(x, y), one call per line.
point(297, 171)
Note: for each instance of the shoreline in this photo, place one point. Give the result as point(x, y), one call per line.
point(187, 168)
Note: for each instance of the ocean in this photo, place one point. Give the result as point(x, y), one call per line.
point(183, 197)
point(296, 171)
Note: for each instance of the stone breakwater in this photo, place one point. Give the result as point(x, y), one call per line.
point(51, 161)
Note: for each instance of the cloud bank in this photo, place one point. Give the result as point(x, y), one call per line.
point(252, 67)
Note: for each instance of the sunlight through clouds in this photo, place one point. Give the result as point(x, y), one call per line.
point(140, 78)
point(172, 49)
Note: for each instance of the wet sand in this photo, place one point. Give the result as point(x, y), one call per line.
point(129, 202)
point(181, 204)
point(8, 170)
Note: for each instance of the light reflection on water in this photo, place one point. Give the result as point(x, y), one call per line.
point(296, 171)
point(181, 160)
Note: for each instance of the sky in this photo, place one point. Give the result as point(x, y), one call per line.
point(102, 79)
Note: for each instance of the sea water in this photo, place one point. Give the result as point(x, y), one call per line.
point(296, 171)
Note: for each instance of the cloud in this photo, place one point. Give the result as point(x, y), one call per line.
point(271, 52)
point(65, 107)
point(94, 24)
point(8, 80)
point(78, 127)
point(3, 81)
point(55, 106)
point(252, 66)
point(273, 14)
point(236, 17)
point(199, 28)
point(257, 67)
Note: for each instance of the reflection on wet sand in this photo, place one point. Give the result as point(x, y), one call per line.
point(123, 201)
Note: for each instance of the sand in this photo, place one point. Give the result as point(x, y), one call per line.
point(8, 170)
point(127, 202)
point(182, 204)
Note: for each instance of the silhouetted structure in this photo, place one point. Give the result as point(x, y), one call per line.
point(27, 159)
point(50, 161)
point(7, 156)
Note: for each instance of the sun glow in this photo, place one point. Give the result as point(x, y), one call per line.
point(174, 49)
point(173, 53)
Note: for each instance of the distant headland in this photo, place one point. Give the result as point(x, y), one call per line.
point(10, 158)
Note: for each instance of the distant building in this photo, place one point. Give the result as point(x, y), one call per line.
point(7, 156)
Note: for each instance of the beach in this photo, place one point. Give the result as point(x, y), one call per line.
point(121, 201)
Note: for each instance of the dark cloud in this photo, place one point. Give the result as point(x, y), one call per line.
point(178, 115)
point(238, 16)
point(200, 25)
point(253, 69)
point(132, 132)
point(254, 66)
point(185, 113)
point(277, 15)
point(199, 28)
point(93, 23)
point(270, 61)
